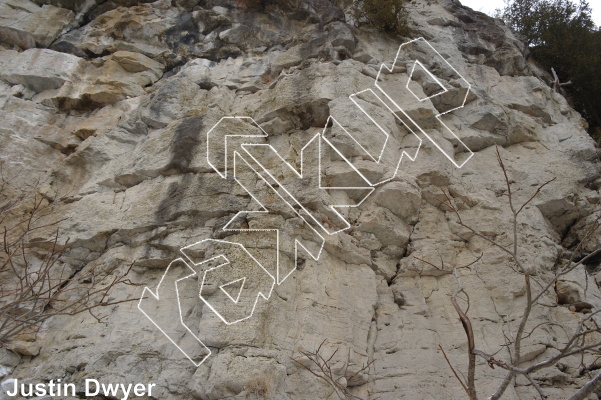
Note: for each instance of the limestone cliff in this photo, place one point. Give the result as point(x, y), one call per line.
point(105, 108)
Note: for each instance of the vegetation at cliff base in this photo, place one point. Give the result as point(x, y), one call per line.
point(562, 35)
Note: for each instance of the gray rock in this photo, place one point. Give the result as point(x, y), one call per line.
point(27, 25)
point(341, 35)
point(170, 102)
point(402, 198)
point(114, 128)
point(39, 69)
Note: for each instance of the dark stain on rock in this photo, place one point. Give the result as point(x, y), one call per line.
point(182, 38)
point(167, 209)
point(184, 144)
point(84, 103)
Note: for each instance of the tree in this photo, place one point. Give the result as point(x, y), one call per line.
point(543, 22)
point(562, 35)
point(583, 338)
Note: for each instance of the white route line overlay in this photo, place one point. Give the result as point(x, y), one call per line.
point(226, 228)
point(266, 296)
point(157, 297)
point(319, 137)
point(222, 287)
point(441, 58)
point(301, 174)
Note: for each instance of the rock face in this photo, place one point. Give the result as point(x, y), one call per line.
point(106, 107)
point(25, 24)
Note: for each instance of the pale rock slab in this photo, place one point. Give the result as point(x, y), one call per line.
point(26, 25)
point(131, 184)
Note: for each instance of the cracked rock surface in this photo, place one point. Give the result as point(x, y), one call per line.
point(104, 109)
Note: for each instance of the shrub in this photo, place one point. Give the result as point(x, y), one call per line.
point(254, 5)
point(384, 15)
point(35, 282)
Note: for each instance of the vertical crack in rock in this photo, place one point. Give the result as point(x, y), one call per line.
point(110, 116)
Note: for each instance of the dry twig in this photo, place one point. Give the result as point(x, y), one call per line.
point(324, 371)
point(36, 284)
point(585, 338)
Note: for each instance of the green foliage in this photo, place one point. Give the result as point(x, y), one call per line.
point(545, 21)
point(384, 15)
point(561, 35)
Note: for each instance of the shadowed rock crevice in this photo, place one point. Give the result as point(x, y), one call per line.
point(112, 121)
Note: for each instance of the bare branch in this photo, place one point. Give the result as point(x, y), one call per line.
point(587, 389)
point(584, 338)
point(324, 372)
point(469, 332)
point(467, 391)
point(36, 288)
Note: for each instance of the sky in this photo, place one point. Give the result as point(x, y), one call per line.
point(489, 6)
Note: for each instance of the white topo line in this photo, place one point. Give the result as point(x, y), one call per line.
point(244, 154)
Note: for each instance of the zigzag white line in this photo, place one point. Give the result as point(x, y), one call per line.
point(469, 86)
point(227, 261)
point(319, 137)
